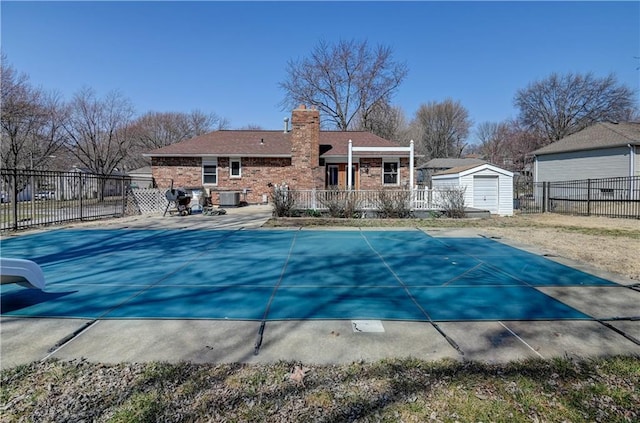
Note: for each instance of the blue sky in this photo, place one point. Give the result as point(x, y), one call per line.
point(228, 57)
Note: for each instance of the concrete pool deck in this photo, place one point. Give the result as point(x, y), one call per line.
point(23, 340)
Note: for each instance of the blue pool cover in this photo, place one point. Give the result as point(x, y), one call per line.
point(285, 274)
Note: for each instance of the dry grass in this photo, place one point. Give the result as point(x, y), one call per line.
point(603, 390)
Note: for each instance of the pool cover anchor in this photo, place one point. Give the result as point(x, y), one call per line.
point(450, 340)
point(618, 331)
point(256, 348)
point(70, 337)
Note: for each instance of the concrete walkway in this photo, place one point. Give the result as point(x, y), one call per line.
point(617, 330)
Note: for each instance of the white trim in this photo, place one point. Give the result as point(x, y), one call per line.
point(383, 149)
point(485, 166)
point(209, 162)
point(282, 156)
point(231, 161)
point(397, 163)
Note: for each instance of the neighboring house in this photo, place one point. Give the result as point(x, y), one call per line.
point(83, 183)
point(251, 162)
point(603, 150)
point(433, 166)
point(487, 187)
point(141, 178)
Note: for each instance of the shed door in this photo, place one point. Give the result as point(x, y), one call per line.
point(485, 193)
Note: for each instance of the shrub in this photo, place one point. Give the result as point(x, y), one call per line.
point(283, 201)
point(312, 213)
point(340, 202)
point(394, 204)
point(452, 201)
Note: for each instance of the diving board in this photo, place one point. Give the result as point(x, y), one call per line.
point(23, 272)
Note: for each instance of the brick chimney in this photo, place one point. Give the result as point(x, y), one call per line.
point(305, 145)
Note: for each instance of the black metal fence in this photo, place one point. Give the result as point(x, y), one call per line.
point(32, 198)
point(609, 197)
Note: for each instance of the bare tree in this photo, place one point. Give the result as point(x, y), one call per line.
point(493, 141)
point(31, 121)
point(441, 129)
point(159, 129)
point(561, 105)
point(343, 80)
point(97, 130)
point(251, 127)
point(507, 144)
point(384, 120)
point(520, 141)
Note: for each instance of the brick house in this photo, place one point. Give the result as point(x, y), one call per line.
point(303, 157)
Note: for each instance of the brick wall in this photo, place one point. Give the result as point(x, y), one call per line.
point(257, 173)
point(185, 171)
point(305, 149)
point(373, 178)
point(301, 171)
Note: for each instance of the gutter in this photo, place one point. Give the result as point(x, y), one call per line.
point(632, 159)
point(219, 155)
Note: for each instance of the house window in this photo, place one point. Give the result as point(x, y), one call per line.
point(236, 169)
point(390, 173)
point(210, 172)
point(332, 175)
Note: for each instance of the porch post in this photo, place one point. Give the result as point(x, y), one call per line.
point(349, 164)
point(411, 170)
point(413, 194)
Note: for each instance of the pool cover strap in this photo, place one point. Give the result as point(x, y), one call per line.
point(256, 348)
point(413, 299)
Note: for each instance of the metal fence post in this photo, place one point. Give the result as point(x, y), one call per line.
point(80, 192)
point(14, 199)
point(588, 197)
point(124, 198)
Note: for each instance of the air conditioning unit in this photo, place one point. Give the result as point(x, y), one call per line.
point(229, 199)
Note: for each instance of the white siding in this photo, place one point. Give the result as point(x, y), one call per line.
point(589, 164)
point(485, 192)
point(505, 195)
point(467, 179)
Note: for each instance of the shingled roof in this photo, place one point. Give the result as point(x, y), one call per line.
point(271, 144)
point(448, 163)
point(597, 136)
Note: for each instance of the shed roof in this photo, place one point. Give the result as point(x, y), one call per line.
point(597, 136)
point(448, 163)
point(465, 170)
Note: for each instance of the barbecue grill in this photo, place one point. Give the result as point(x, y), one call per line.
point(180, 199)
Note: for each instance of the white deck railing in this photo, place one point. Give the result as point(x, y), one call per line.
point(419, 199)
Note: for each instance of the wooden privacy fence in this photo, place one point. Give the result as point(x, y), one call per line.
point(607, 197)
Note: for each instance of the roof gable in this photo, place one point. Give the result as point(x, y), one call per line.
point(469, 169)
point(448, 163)
point(597, 136)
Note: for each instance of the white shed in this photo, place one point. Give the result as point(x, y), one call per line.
point(487, 187)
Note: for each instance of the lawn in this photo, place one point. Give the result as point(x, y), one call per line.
point(593, 390)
